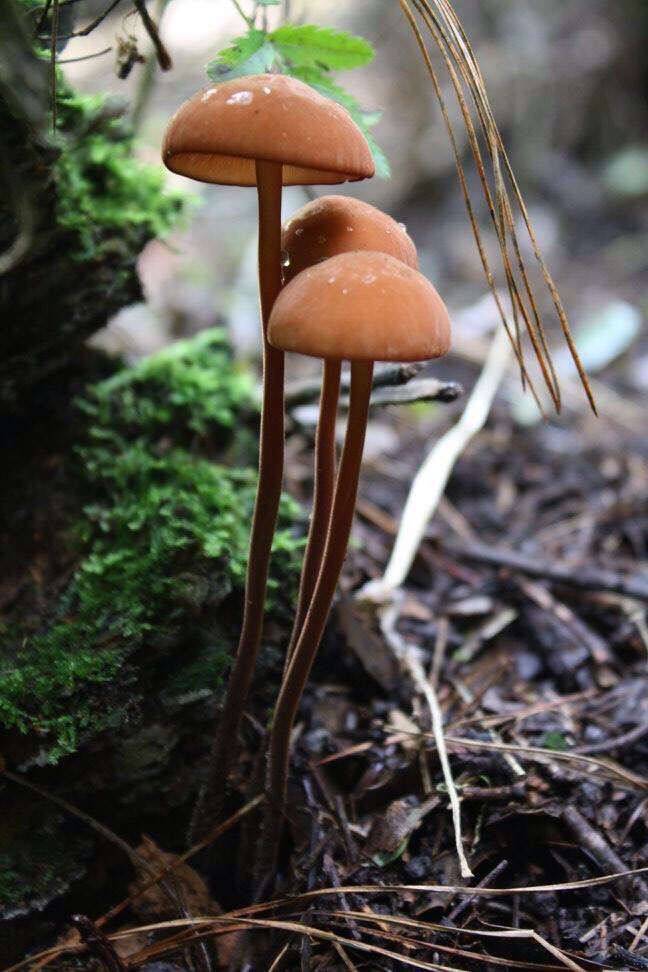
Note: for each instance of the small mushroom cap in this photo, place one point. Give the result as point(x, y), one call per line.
point(219, 133)
point(361, 306)
point(337, 224)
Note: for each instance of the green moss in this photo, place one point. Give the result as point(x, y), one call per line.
point(162, 539)
point(103, 191)
point(192, 386)
point(104, 194)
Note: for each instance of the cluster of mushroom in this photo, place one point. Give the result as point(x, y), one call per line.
point(350, 291)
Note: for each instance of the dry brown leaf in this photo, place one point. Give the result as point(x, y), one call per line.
point(153, 904)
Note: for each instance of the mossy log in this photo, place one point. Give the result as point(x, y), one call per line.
point(124, 515)
point(75, 211)
point(124, 534)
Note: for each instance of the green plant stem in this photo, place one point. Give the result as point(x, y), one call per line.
point(322, 496)
point(271, 452)
point(239, 9)
point(304, 653)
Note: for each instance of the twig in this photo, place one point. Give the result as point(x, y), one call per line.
point(53, 40)
point(85, 57)
point(621, 775)
point(307, 390)
point(91, 26)
point(430, 481)
point(600, 849)
point(43, 17)
point(97, 944)
point(581, 576)
point(420, 390)
point(611, 744)
point(633, 960)
point(493, 792)
point(147, 79)
point(215, 832)
point(408, 658)
point(574, 627)
point(163, 56)
point(508, 757)
point(331, 872)
point(248, 20)
point(484, 883)
point(345, 958)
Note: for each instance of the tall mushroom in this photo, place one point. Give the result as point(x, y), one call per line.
point(363, 307)
point(319, 230)
point(266, 131)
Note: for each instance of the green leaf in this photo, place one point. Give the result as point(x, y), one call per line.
point(365, 120)
point(383, 858)
point(250, 53)
point(307, 45)
point(381, 162)
point(555, 740)
point(241, 48)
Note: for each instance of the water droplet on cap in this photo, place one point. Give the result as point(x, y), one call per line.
point(299, 231)
point(321, 239)
point(240, 98)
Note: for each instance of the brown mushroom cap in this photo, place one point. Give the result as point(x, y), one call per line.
point(361, 306)
point(219, 133)
point(337, 224)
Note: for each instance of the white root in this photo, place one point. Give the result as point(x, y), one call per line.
point(432, 477)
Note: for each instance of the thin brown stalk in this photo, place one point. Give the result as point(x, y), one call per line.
point(322, 496)
point(449, 37)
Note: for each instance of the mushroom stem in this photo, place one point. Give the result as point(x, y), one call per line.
point(271, 457)
point(322, 496)
point(304, 652)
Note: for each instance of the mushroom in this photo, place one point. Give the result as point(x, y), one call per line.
point(363, 307)
point(264, 130)
point(319, 230)
point(331, 225)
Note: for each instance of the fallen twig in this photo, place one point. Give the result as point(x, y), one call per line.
point(97, 944)
point(609, 745)
point(581, 576)
point(484, 883)
point(596, 844)
point(389, 377)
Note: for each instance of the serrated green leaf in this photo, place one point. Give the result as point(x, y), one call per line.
point(307, 45)
point(250, 53)
point(241, 48)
